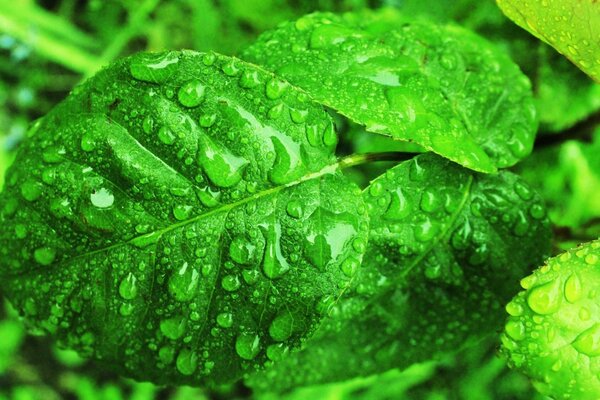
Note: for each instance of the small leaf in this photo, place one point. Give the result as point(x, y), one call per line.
point(553, 330)
point(570, 26)
point(442, 87)
point(446, 247)
point(147, 219)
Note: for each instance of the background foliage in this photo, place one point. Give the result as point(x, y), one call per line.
point(47, 47)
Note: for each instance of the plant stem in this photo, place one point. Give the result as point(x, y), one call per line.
point(365, 158)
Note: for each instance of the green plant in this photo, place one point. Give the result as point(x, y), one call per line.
point(190, 218)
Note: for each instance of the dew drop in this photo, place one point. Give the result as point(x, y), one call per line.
point(31, 190)
point(225, 320)
point(154, 68)
point(288, 165)
point(350, 266)
point(250, 79)
point(44, 255)
point(88, 142)
point(231, 283)
point(166, 135)
point(173, 328)
point(128, 288)
point(294, 209)
point(274, 263)
point(102, 198)
point(241, 250)
point(247, 346)
point(192, 94)
point(545, 299)
point(184, 282)
point(282, 326)
point(515, 329)
point(588, 342)
point(573, 289)
point(398, 208)
point(182, 212)
point(328, 35)
point(187, 362)
point(275, 88)
point(223, 168)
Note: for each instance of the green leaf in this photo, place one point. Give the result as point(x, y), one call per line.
point(164, 219)
point(553, 332)
point(446, 249)
point(570, 26)
point(442, 87)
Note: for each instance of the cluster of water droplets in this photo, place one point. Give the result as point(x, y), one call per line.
point(553, 330)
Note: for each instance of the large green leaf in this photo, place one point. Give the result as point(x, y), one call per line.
point(570, 26)
point(180, 217)
point(446, 249)
point(440, 86)
point(553, 332)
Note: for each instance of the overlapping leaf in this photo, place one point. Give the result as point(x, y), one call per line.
point(446, 249)
point(553, 332)
point(440, 86)
point(180, 218)
point(570, 26)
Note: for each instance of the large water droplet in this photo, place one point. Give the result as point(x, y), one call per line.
point(102, 198)
point(545, 299)
point(44, 255)
point(231, 283)
point(588, 342)
point(288, 165)
point(329, 34)
point(274, 263)
point(173, 328)
point(516, 330)
point(225, 320)
point(282, 326)
point(128, 288)
point(573, 289)
point(241, 250)
point(31, 190)
point(191, 94)
point(154, 68)
point(187, 362)
point(275, 88)
point(247, 346)
point(223, 168)
point(183, 283)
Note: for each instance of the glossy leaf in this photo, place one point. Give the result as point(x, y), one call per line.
point(442, 87)
point(178, 217)
point(553, 332)
point(570, 26)
point(446, 248)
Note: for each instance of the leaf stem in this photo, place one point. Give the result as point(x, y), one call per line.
point(365, 158)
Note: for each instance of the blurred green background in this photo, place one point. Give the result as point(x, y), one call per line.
point(47, 47)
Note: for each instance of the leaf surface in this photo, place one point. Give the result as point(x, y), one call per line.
point(179, 218)
point(553, 331)
point(442, 87)
point(570, 26)
point(445, 251)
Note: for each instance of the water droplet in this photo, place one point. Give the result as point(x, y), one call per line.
point(425, 230)
point(31, 190)
point(225, 320)
point(359, 245)
point(44, 255)
point(523, 191)
point(247, 346)
point(102, 198)
point(514, 309)
point(241, 250)
point(148, 124)
point(53, 154)
point(223, 168)
point(166, 135)
point(277, 352)
point(330, 34)
point(376, 189)
point(154, 68)
point(274, 263)
point(88, 142)
point(588, 342)
point(288, 165)
point(294, 208)
point(537, 211)
point(173, 328)
point(182, 212)
point(231, 283)
point(545, 299)
point(128, 288)
point(298, 116)
point(430, 202)
point(591, 259)
point(398, 208)
point(250, 79)
point(166, 354)
point(350, 266)
point(187, 362)
point(521, 225)
point(192, 94)
point(573, 289)
point(184, 282)
point(207, 120)
point(515, 329)
point(282, 326)
point(230, 68)
point(275, 88)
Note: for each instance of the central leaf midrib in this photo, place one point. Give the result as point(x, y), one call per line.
point(327, 169)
